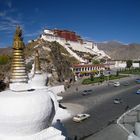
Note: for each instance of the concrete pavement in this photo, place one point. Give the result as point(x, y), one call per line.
point(112, 132)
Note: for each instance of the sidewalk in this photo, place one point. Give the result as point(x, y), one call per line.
point(121, 130)
point(128, 119)
point(112, 132)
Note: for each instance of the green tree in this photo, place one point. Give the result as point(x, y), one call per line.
point(95, 62)
point(4, 59)
point(117, 73)
point(102, 77)
point(91, 76)
point(129, 64)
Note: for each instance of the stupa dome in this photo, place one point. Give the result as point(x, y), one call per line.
point(25, 113)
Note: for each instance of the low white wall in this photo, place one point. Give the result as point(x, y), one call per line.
point(57, 89)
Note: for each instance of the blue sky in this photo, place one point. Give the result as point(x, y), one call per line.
point(97, 20)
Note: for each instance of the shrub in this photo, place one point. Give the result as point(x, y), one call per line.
point(4, 59)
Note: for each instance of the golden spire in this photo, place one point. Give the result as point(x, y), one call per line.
point(18, 40)
point(18, 68)
point(37, 68)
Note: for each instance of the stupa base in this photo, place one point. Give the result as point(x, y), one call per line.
point(50, 133)
point(19, 86)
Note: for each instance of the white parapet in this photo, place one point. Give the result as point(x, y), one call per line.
point(48, 134)
point(135, 136)
point(57, 89)
point(19, 86)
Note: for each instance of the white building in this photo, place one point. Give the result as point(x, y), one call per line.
point(75, 42)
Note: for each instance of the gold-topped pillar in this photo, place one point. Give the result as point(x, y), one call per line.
point(18, 68)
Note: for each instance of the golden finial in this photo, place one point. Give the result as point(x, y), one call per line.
point(37, 68)
point(18, 40)
point(18, 68)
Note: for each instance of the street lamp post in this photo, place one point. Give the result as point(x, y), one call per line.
point(108, 76)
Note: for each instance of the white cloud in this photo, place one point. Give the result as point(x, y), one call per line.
point(33, 34)
point(8, 24)
point(2, 13)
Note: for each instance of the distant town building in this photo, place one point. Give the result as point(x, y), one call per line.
point(116, 64)
point(135, 64)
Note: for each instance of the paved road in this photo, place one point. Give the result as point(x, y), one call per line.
point(100, 106)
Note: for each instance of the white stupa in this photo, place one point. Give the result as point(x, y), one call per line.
point(38, 79)
point(26, 112)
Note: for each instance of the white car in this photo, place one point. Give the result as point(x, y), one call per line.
point(117, 101)
point(80, 117)
point(116, 84)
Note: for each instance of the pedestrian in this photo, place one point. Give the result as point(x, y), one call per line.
point(76, 88)
point(75, 138)
point(127, 107)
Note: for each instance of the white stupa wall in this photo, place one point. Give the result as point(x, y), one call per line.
point(25, 113)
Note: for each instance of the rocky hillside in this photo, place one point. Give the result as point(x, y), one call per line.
point(121, 51)
point(54, 59)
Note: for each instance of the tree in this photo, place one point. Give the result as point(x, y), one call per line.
point(101, 76)
point(91, 76)
point(117, 73)
point(129, 64)
point(95, 62)
point(102, 61)
point(4, 59)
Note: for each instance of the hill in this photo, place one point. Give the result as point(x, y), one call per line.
point(120, 51)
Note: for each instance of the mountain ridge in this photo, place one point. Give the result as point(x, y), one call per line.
point(120, 51)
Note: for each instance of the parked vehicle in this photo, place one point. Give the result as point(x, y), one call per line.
point(138, 80)
point(87, 92)
point(80, 117)
point(126, 84)
point(116, 84)
point(117, 101)
point(138, 91)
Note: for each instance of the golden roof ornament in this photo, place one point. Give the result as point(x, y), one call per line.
point(18, 68)
point(37, 67)
point(18, 40)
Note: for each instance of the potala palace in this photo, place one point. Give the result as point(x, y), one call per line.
point(73, 42)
